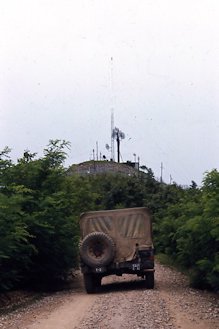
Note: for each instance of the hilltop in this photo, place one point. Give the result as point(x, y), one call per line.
point(99, 167)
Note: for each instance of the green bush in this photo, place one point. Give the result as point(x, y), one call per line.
point(188, 232)
point(39, 229)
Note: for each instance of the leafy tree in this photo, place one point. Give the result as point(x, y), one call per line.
point(188, 231)
point(39, 241)
point(15, 249)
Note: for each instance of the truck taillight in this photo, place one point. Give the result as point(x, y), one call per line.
point(151, 257)
point(147, 254)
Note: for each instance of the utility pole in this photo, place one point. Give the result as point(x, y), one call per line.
point(161, 173)
point(171, 179)
point(97, 150)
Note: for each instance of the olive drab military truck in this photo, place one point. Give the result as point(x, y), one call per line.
point(116, 242)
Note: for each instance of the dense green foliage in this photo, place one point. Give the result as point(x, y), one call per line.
point(39, 208)
point(188, 231)
point(40, 203)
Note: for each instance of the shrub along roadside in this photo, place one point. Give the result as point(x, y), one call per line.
point(188, 232)
point(39, 229)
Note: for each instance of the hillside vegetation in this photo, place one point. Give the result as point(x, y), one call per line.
point(40, 206)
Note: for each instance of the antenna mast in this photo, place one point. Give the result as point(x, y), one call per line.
point(118, 135)
point(112, 110)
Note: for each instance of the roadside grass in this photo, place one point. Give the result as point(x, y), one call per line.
point(195, 280)
point(165, 260)
point(170, 262)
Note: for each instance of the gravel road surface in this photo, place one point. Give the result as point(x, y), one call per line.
point(122, 303)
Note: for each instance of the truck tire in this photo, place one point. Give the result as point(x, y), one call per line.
point(97, 249)
point(149, 280)
point(89, 283)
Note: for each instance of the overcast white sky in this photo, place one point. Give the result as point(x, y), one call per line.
point(57, 80)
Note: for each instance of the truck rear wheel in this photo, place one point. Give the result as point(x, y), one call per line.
point(91, 283)
point(149, 280)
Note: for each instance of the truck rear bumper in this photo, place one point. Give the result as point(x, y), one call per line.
point(121, 268)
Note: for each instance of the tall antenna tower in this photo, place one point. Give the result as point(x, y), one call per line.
point(112, 109)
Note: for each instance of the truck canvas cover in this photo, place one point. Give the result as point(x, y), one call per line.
point(129, 228)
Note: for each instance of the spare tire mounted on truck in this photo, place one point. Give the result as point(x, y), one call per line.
point(97, 249)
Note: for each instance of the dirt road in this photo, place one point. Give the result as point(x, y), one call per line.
point(123, 303)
